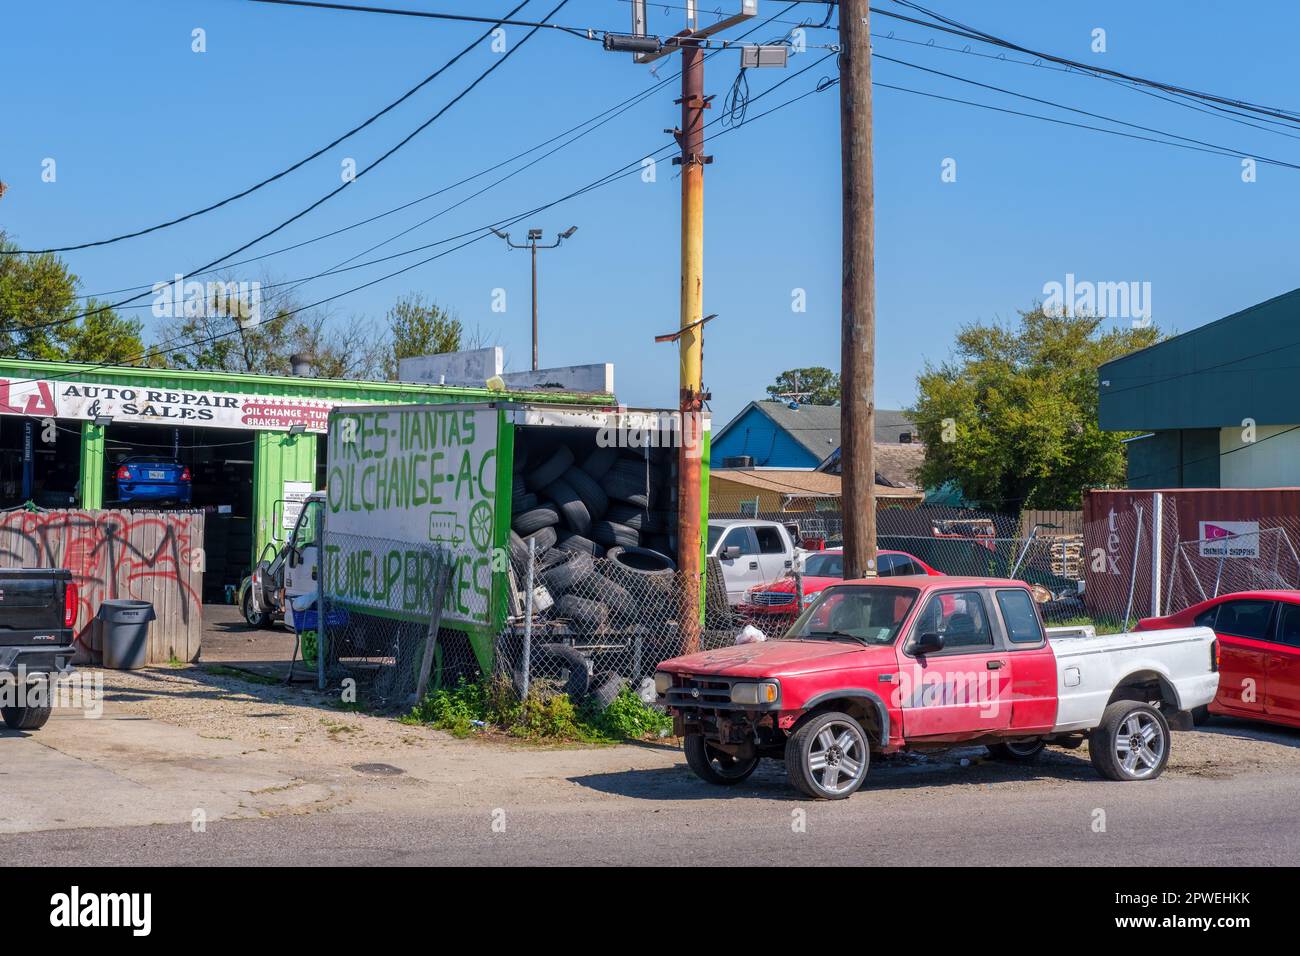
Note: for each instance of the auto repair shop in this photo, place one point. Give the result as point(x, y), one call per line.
point(248, 444)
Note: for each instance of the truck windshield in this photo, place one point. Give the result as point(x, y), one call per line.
point(868, 613)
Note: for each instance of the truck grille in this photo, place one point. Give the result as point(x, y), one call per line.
point(708, 692)
point(771, 598)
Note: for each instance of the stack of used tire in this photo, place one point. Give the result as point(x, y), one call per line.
point(599, 529)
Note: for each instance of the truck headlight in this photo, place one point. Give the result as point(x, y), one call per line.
point(663, 681)
point(762, 692)
point(809, 598)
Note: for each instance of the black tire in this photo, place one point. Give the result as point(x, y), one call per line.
point(550, 469)
point(626, 481)
point(579, 545)
point(525, 502)
point(714, 766)
point(543, 516)
point(545, 539)
point(254, 618)
point(809, 741)
point(1201, 716)
point(589, 490)
point(564, 577)
point(1111, 742)
point(599, 462)
point(605, 688)
point(612, 534)
point(641, 519)
point(26, 718)
point(517, 487)
point(564, 663)
point(565, 498)
point(518, 550)
point(1019, 751)
point(642, 561)
point(618, 601)
point(586, 615)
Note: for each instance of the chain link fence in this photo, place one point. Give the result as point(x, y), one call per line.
point(381, 603)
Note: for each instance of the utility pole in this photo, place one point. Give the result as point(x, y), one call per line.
point(858, 295)
point(534, 237)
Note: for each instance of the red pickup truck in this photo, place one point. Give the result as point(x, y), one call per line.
point(885, 664)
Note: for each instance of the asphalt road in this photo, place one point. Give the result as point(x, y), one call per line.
point(940, 815)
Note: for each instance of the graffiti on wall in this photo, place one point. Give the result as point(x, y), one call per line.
point(149, 556)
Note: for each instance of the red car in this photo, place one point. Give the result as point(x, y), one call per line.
point(1259, 652)
point(820, 571)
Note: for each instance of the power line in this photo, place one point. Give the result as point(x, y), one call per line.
point(585, 33)
point(334, 192)
point(270, 179)
point(630, 168)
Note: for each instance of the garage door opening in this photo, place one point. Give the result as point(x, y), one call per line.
point(147, 466)
point(55, 451)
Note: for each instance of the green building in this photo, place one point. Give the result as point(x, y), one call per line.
point(253, 443)
point(1216, 407)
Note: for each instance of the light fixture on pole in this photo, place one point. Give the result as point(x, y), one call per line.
point(534, 238)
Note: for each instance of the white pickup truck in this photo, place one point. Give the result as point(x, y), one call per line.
point(751, 551)
point(889, 664)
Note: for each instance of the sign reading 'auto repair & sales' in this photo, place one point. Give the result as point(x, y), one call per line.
point(47, 398)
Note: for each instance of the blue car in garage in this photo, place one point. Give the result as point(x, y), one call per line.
point(153, 479)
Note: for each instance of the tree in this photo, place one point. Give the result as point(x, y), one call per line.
point(813, 386)
point(1012, 418)
point(415, 328)
point(42, 318)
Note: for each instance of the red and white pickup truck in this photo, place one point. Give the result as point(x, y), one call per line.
point(888, 664)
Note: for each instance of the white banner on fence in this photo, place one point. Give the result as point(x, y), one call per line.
point(1229, 539)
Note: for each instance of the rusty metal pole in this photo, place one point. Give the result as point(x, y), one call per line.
point(534, 247)
point(689, 505)
point(858, 294)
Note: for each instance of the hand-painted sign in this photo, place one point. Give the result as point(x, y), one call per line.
point(402, 483)
point(163, 406)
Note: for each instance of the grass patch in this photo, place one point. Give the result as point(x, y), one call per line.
point(1104, 625)
point(544, 715)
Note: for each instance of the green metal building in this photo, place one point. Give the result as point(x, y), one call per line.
point(252, 442)
point(1216, 407)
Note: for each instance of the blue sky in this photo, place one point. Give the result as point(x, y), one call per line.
point(143, 129)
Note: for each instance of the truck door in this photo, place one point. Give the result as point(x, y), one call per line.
point(775, 553)
point(738, 554)
point(962, 690)
point(1282, 671)
point(1243, 627)
point(300, 570)
point(1031, 663)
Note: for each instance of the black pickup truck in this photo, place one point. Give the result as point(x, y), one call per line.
point(37, 609)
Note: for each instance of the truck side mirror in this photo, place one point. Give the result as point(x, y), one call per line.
point(731, 552)
point(928, 643)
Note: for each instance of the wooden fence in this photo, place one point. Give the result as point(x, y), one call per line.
point(154, 556)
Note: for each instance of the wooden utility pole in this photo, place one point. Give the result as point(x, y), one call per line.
point(858, 295)
point(691, 342)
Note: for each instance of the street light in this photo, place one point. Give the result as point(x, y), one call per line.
point(534, 237)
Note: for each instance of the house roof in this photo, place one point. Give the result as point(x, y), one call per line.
point(797, 482)
point(896, 465)
point(817, 427)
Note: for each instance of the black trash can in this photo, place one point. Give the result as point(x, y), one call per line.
point(125, 626)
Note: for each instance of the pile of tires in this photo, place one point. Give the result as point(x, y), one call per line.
point(600, 527)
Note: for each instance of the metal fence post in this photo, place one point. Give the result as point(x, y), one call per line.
point(438, 588)
point(1133, 569)
point(320, 604)
point(528, 614)
point(1157, 551)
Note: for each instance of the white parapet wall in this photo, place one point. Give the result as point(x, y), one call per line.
point(475, 367)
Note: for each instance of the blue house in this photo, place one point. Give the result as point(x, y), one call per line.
point(773, 434)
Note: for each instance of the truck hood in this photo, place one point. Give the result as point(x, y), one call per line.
point(782, 658)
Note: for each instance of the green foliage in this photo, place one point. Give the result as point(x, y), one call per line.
point(1012, 418)
point(419, 329)
point(543, 716)
point(815, 386)
point(38, 306)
